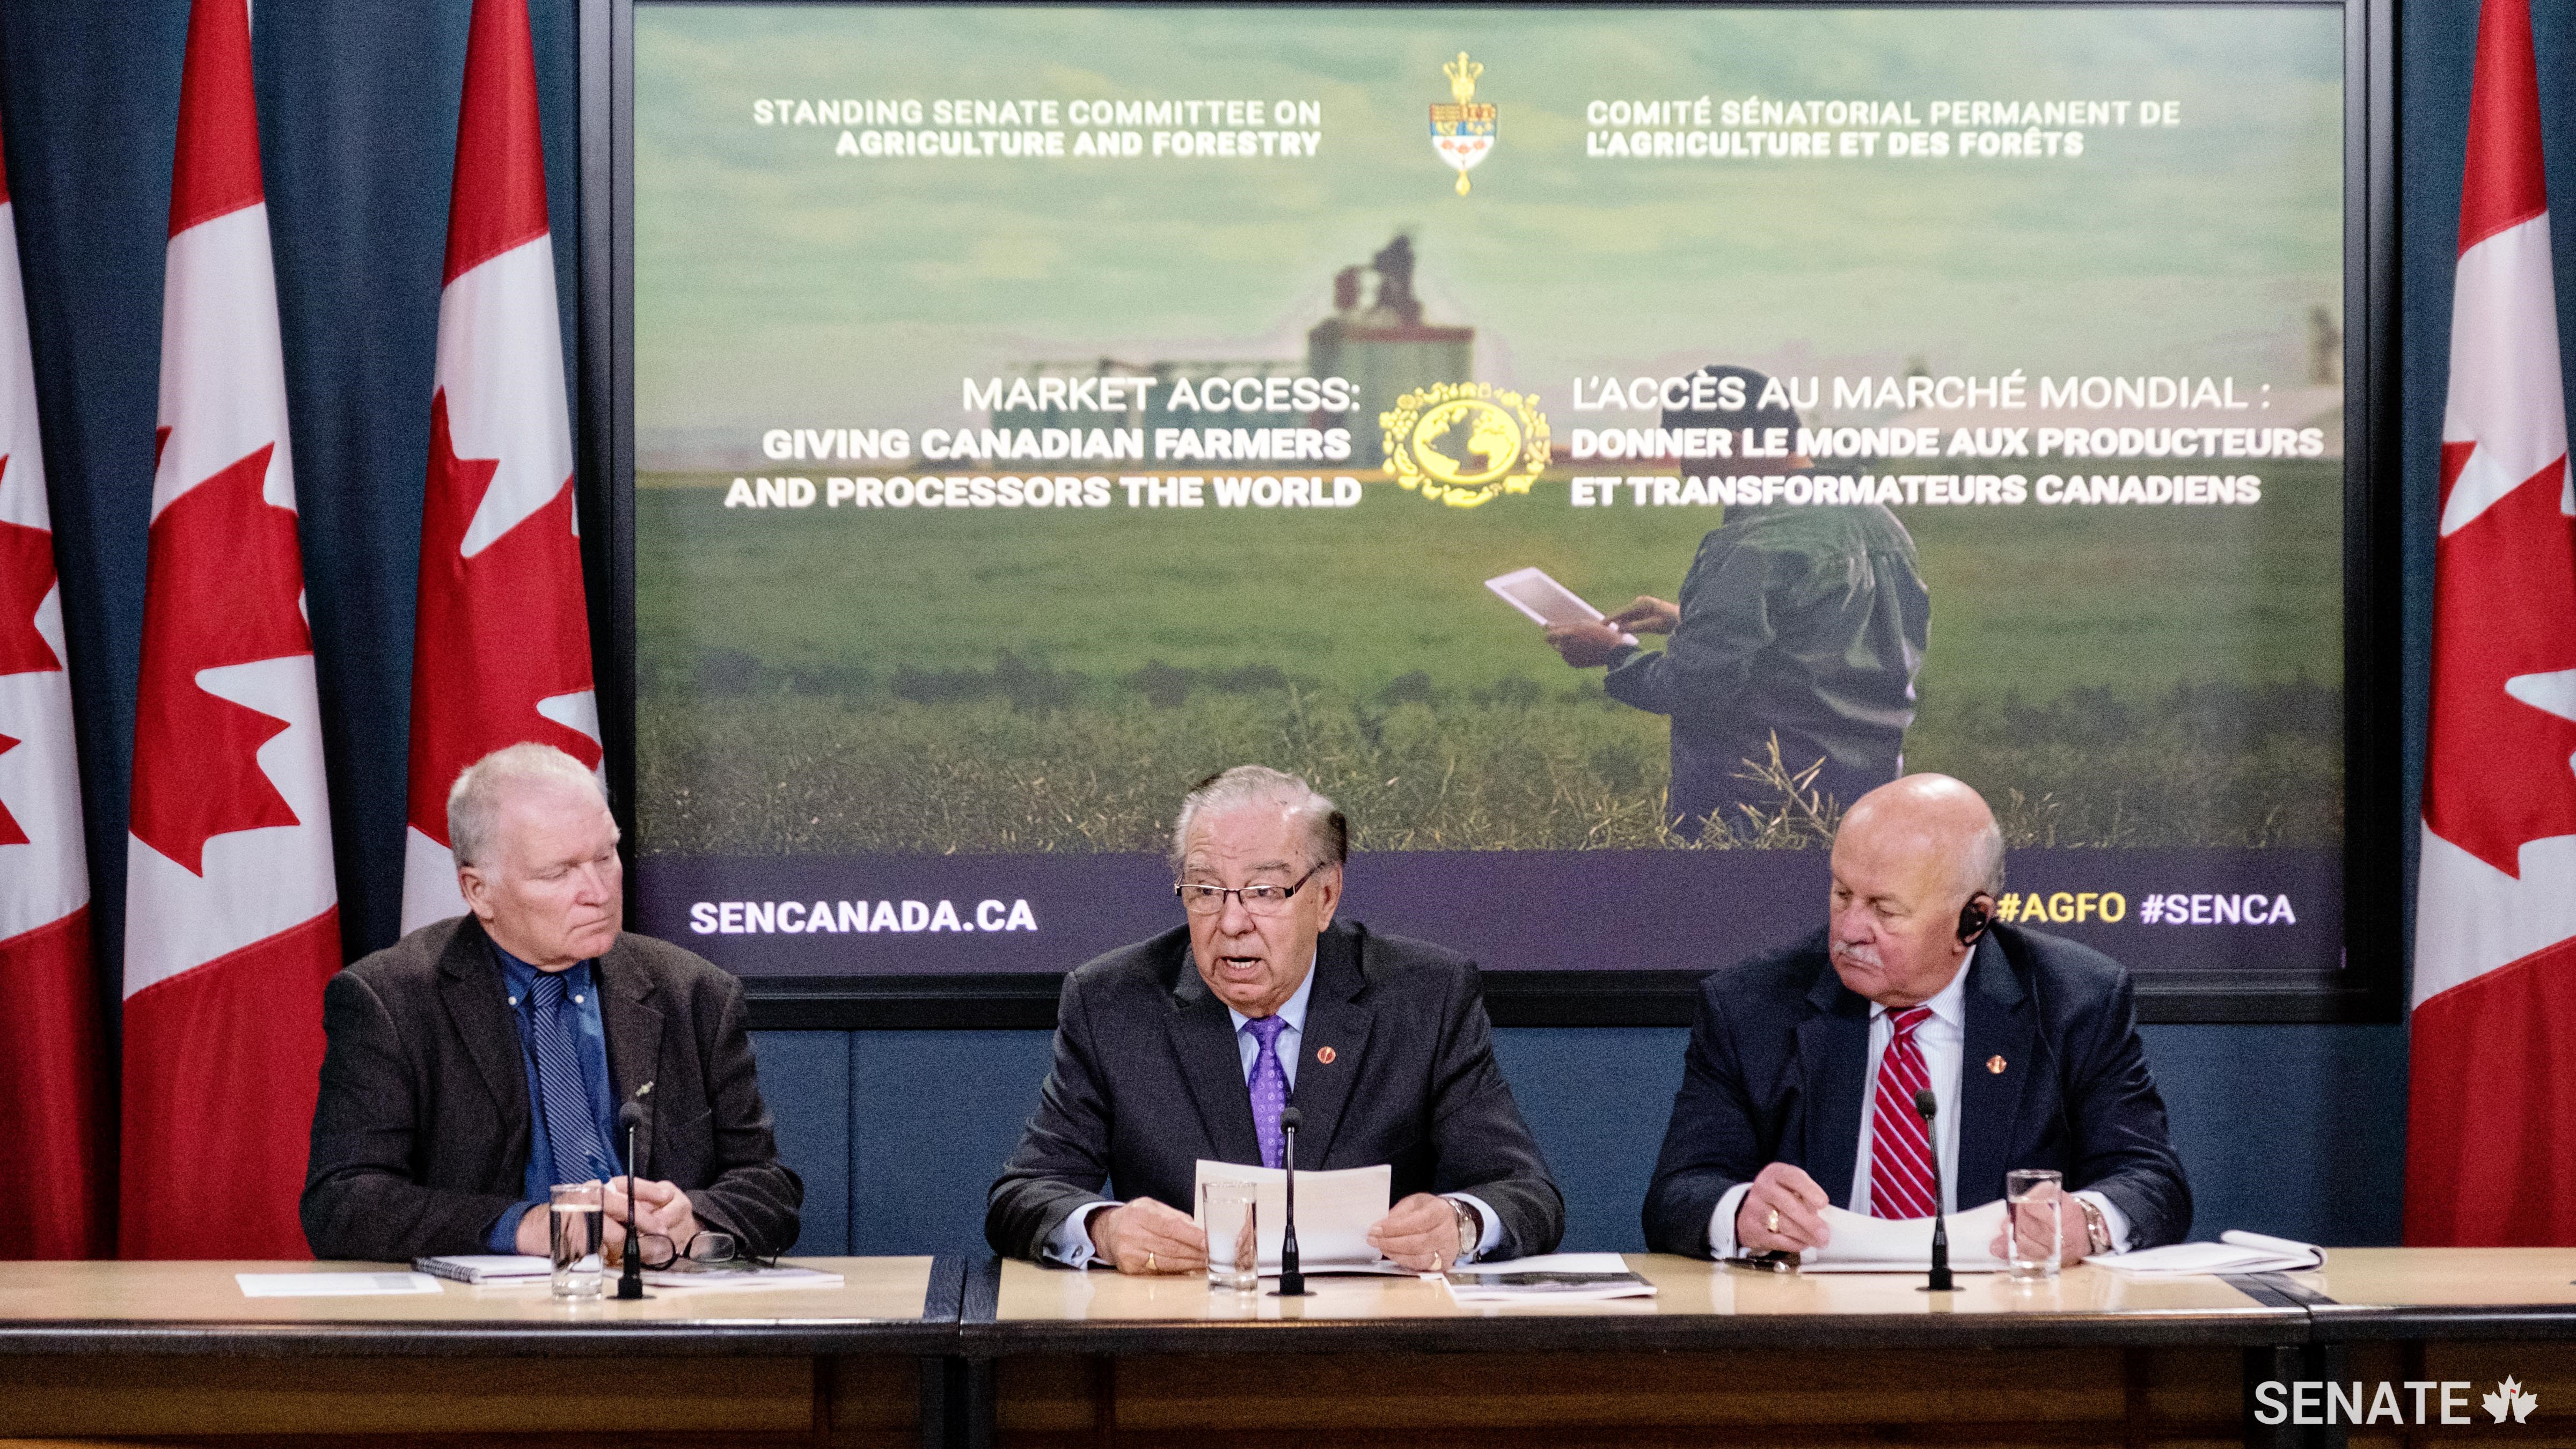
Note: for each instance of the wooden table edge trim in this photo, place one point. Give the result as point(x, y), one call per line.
point(2369, 1323)
point(397, 1338)
point(2252, 1326)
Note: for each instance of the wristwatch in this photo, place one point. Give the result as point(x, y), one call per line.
point(1471, 1230)
point(2097, 1233)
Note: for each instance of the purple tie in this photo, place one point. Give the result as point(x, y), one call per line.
point(1269, 1084)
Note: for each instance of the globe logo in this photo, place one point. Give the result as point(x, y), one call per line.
point(1464, 444)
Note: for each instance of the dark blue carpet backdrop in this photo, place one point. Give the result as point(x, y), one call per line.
point(357, 109)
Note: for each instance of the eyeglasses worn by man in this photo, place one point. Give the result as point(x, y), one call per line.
point(483, 1059)
point(1192, 1045)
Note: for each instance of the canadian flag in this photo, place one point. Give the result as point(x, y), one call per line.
point(501, 646)
point(53, 1050)
point(232, 922)
point(2491, 1127)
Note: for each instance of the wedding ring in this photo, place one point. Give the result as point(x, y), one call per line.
point(1771, 1222)
point(1149, 1264)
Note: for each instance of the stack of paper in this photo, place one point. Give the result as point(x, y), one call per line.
point(1335, 1210)
point(487, 1269)
point(1550, 1278)
point(738, 1279)
point(1883, 1245)
point(2236, 1251)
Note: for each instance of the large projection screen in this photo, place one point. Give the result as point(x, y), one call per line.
point(1035, 409)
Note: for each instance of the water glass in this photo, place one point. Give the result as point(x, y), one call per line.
point(1231, 1214)
point(575, 1224)
point(2035, 1233)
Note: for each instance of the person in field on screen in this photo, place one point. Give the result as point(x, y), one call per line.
point(1798, 1083)
point(481, 1060)
point(1803, 623)
point(1192, 1045)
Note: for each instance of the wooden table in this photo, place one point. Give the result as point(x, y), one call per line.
point(1719, 1356)
point(92, 1350)
point(2464, 1316)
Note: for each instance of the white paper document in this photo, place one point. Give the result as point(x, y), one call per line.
point(488, 1269)
point(1549, 1278)
point(2236, 1251)
point(1881, 1245)
point(735, 1280)
point(1335, 1210)
point(1544, 601)
point(332, 1285)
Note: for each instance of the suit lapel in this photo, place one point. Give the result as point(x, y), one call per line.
point(1833, 1056)
point(1338, 1018)
point(633, 1027)
point(469, 990)
point(1999, 1028)
point(1203, 1043)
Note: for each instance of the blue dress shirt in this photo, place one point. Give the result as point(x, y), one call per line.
point(590, 1045)
point(1071, 1244)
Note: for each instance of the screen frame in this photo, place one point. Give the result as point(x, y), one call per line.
point(2368, 989)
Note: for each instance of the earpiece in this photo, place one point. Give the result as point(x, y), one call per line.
point(1973, 918)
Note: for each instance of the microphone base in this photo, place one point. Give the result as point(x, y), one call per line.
point(629, 1292)
point(1292, 1285)
point(1940, 1283)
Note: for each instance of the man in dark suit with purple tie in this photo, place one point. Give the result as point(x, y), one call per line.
point(1193, 1044)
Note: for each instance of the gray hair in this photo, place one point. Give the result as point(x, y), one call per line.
point(1983, 870)
point(474, 804)
point(1328, 831)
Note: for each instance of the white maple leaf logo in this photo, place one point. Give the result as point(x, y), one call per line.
point(2509, 1396)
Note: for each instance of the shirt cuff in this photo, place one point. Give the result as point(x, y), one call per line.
point(503, 1236)
point(1721, 1224)
point(2113, 1219)
point(1071, 1244)
point(1493, 1233)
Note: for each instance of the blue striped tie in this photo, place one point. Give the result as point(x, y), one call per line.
point(572, 1133)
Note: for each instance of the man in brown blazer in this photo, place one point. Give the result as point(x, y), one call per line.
point(480, 1060)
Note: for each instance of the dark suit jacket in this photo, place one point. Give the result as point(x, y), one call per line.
point(1779, 1049)
point(421, 1136)
point(1148, 1079)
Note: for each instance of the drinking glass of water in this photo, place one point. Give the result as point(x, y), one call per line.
point(2032, 1198)
point(574, 1211)
point(1231, 1213)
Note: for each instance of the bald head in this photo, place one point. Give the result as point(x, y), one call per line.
point(1937, 817)
point(1909, 856)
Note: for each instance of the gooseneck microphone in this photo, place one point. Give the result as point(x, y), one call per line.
point(1925, 1104)
point(1292, 1283)
point(630, 1278)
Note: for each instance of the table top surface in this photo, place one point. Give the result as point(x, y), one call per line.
point(926, 1305)
point(1684, 1287)
point(51, 1305)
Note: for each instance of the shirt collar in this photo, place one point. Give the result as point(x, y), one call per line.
point(1949, 1004)
point(1293, 1010)
point(517, 976)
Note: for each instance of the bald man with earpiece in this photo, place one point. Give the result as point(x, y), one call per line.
point(1799, 1081)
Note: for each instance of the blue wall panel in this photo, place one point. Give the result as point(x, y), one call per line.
point(2296, 1130)
point(805, 1077)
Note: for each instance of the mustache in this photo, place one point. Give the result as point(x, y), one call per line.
point(1862, 955)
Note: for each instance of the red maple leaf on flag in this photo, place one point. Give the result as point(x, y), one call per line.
point(222, 588)
point(26, 576)
point(11, 832)
point(2500, 774)
point(496, 633)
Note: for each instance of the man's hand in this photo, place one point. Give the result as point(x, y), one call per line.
point(1648, 615)
point(660, 1208)
point(1584, 645)
point(1788, 1196)
point(536, 1234)
point(2074, 1242)
point(1420, 1233)
point(1144, 1236)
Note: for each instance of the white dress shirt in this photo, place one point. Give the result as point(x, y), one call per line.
point(1071, 1244)
point(1942, 1038)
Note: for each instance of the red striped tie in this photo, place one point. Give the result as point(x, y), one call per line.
point(1900, 1145)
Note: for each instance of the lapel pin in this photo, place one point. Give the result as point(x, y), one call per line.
point(1995, 1065)
point(1324, 1055)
